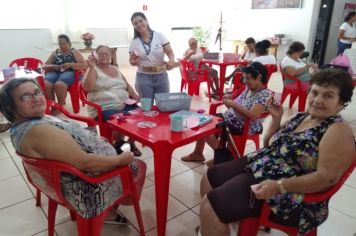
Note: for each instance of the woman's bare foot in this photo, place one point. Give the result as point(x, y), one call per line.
point(193, 157)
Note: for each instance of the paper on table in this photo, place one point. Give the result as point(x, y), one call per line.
point(192, 122)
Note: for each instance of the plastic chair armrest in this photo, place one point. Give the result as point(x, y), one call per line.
point(213, 107)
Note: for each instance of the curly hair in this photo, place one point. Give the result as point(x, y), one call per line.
point(336, 78)
point(295, 47)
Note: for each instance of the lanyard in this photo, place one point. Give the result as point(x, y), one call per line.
point(148, 48)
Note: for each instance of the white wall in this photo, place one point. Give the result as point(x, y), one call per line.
point(38, 43)
point(240, 22)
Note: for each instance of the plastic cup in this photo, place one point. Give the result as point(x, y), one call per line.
point(177, 123)
point(146, 104)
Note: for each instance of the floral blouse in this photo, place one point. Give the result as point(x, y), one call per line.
point(293, 154)
point(237, 120)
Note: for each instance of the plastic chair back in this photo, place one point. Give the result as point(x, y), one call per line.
point(250, 226)
point(45, 174)
point(32, 63)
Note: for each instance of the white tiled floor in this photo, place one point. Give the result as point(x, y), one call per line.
point(20, 216)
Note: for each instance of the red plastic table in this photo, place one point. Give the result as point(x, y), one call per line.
point(162, 141)
point(222, 64)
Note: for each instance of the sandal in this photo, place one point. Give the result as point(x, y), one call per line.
point(189, 158)
point(4, 127)
point(135, 150)
point(119, 220)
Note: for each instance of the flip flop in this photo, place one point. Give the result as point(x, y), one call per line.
point(135, 150)
point(190, 159)
point(119, 220)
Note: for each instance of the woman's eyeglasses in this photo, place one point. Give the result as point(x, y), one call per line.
point(29, 97)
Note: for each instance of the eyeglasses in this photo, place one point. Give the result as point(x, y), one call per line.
point(29, 97)
point(104, 54)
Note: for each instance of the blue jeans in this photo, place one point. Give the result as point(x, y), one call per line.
point(147, 85)
point(66, 77)
point(342, 46)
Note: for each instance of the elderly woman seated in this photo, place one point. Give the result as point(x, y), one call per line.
point(293, 66)
point(60, 68)
point(307, 154)
point(36, 135)
point(108, 87)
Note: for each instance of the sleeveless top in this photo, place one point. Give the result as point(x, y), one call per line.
point(236, 120)
point(109, 92)
point(60, 58)
point(293, 154)
point(88, 199)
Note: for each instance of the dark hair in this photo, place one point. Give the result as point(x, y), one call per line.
point(250, 40)
point(262, 47)
point(102, 46)
point(337, 78)
point(7, 100)
point(295, 47)
point(66, 38)
point(349, 16)
point(255, 69)
point(137, 34)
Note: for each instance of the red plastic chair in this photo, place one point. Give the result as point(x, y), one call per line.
point(297, 89)
point(241, 139)
point(44, 175)
point(32, 63)
point(192, 78)
point(103, 127)
point(73, 90)
point(250, 226)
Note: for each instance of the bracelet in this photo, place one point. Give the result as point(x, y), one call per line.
point(281, 187)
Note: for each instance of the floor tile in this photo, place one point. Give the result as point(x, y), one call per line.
point(181, 225)
point(8, 169)
point(3, 152)
point(351, 181)
point(176, 168)
point(22, 219)
point(344, 201)
point(338, 224)
point(69, 228)
point(13, 190)
point(185, 187)
point(148, 209)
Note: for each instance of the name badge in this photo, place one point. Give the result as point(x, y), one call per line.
point(150, 57)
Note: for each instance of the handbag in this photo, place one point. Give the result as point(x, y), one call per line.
point(223, 153)
point(342, 60)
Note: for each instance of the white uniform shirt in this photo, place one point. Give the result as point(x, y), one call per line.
point(265, 60)
point(156, 52)
point(350, 32)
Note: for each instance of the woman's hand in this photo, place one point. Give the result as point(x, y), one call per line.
point(266, 189)
point(276, 110)
point(66, 66)
point(228, 102)
point(134, 59)
point(91, 61)
point(126, 158)
point(228, 96)
point(135, 96)
point(171, 64)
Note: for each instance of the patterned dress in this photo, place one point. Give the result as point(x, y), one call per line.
point(293, 154)
point(88, 199)
point(236, 120)
point(60, 58)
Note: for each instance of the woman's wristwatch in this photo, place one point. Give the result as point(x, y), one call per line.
point(281, 187)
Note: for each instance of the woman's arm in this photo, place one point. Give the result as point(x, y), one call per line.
point(342, 36)
point(90, 76)
point(169, 52)
point(254, 113)
point(49, 66)
point(291, 71)
point(130, 90)
point(276, 112)
point(336, 153)
point(62, 147)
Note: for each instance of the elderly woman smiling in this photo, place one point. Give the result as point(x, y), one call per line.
point(307, 154)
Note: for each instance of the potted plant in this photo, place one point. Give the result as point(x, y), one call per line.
point(202, 36)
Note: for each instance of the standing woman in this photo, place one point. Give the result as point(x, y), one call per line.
point(60, 68)
point(147, 51)
point(347, 33)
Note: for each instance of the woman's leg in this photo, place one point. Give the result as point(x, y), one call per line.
point(65, 79)
point(209, 221)
point(50, 79)
point(197, 154)
point(144, 85)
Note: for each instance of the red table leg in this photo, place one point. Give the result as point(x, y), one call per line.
point(222, 81)
point(162, 152)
